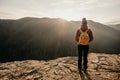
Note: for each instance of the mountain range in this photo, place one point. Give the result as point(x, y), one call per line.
point(49, 38)
point(116, 26)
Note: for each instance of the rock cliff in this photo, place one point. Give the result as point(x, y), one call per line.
point(100, 67)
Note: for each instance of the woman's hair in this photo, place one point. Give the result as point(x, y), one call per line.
point(84, 21)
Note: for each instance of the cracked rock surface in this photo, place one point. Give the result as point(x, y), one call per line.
point(100, 67)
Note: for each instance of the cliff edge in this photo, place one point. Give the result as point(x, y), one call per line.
point(100, 67)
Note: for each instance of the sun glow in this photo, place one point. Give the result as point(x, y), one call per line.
point(67, 9)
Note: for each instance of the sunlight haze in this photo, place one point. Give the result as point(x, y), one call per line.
point(104, 11)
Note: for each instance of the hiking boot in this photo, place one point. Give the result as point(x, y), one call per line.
point(80, 70)
point(85, 70)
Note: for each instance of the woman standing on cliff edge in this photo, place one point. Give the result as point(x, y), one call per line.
point(83, 37)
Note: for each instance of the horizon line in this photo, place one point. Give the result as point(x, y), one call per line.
point(105, 23)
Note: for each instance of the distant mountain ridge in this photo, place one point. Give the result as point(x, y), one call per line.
point(48, 38)
point(116, 26)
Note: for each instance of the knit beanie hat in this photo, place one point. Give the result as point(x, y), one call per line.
point(84, 21)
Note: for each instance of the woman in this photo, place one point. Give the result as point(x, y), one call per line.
point(83, 44)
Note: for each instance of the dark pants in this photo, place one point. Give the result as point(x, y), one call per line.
point(83, 51)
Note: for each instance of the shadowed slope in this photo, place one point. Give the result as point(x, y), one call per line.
point(50, 38)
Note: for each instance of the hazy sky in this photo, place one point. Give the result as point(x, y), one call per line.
point(104, 11)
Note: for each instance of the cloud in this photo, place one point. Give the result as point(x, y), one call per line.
point(113, 20)
point(19, 14)
point(6, 15)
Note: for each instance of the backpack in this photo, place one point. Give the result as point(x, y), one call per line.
point(84, 38)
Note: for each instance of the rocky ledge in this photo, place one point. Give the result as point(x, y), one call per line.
point(100, 67)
